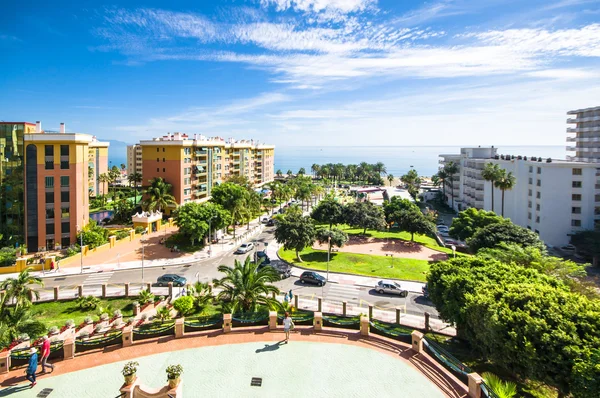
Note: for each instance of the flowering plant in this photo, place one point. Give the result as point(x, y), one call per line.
point(130, 368)
point(174, 371)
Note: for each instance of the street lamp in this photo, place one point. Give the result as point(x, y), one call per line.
point(143, 253)
point(209, 236)
point(453, 250)
point(80, 245)
point(328, 255)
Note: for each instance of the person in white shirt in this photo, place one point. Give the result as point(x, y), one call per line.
point(288, 324)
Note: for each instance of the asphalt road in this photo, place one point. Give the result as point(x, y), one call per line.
point(206, 270)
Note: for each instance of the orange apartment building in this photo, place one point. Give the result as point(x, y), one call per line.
point(193, 165)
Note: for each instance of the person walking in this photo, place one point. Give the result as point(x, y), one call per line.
point(46, 354)
point(32, 367)
point(291, 295)
point(288, 324)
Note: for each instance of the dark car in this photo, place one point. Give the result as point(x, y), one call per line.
point(176, 279)
point(261, 258)
point(271, 223)
point(284, 270)
point(312, 277)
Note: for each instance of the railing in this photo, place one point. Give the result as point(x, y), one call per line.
point(447, 360)
point(487, 391)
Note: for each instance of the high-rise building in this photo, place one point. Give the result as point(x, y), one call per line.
point(554, 198)
point(134, 159)
point(585, 135)
point(193, 165)
point(97, 165)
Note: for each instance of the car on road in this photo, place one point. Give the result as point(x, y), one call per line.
point(175, 279)
point(284, 270)
point(262, 258)
point(271, 223)
point(387, 287)
point(312, 277)
point(441, 228)
point(265, 220)
point(450, 242)
point(568, 248)
point(245, 248)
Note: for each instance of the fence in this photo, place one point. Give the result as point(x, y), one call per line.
point(455, 366)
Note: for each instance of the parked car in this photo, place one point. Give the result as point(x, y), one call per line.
point(270, 223)
point(568, 248)
point(425, 291)
point(265, 220)
point(284, 270)
point(176, 279)
point(390, 288)
point(245, 248)
point(443, 228)
point(262, 258)
point(312, 277)
point(450, 242)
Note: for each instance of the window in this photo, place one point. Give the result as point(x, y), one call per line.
point(64, 165)
point(539, 183)
point(576, 184)
point(65, 227)
point(529, 216)
point(66, 241)
point(49, 229)
point(530, 192)
point(576, 197)
point(50, 213)
point(187, 191)
point(163, 149)
point(597, 198)
point(49, 150)
point(64, 197)
point(64, 150)
point(64, 181)
point(158, 159)
point(49, 197)
point(529, 204)
point(537, 219)
point(164, 170)
point(576, 210)
point(537, 207)
point(49, 164)
point(65, 211)
point(531, 169)
point(187, 151)
point(157, 149)
point(49, 182)
point(539, 170)
point(576, 172)
point(157, 170)
point(538, 195)
point(576, 223)
point(537, 232)
point(530, 180)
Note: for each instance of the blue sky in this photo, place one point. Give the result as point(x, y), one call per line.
point(304, 72)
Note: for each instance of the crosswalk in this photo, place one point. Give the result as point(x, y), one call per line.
point(98, 278)
point(339, 293)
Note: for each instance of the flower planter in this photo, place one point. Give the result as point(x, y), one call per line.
point(173, 383)
point(129, 379)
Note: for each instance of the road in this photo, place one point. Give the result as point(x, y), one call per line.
point(206, 270)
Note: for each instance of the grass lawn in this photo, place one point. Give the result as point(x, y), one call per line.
point(57, 313)
point(360, 264)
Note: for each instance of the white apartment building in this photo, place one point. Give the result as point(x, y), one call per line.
point(551, 197)
point(134, 159)
point(585, 135)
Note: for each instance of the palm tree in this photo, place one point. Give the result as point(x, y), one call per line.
point(491, 173)
point(390, 178)
point(123, 167)
point(245, 288)
point(278, 173)
point(451, 169)
point(315, 169)
point(202, 293)
point(135, 178)
point(505, 182)
point(158, 195)
point(502, 389)
point(442, 176)
point(379, 167)
point(289, 173)
point(104, 178)
point(18, 289)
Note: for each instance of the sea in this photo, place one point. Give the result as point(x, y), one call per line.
point(397, 159)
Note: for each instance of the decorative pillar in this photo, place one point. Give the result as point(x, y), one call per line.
point(170, 289)
point(127, 336)
point(56, 292)
point(179, 327)
point(474, 385)
point(69, 348)
point(296, 301)
point(131, 235)
point(272, 320)
point(226, 323)
point(318, 321)
point(149, 287)
point(417, 341)
point(344, 304)
point(112, 240)
point(319, 304)
point(126, 289)
point(398, 314)
point(427, 327)
point(104, 290)
point(80, 290)
point(4, 362)
point(126, 390)
point(136, 309)
point(370, 312)
point(364, 326)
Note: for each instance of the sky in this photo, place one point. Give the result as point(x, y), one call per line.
point(303, 72)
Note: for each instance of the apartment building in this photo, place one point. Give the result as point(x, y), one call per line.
point(134, 159)
point(551, 197)
point(194, 164)
point(97, 164)
point(585, 135)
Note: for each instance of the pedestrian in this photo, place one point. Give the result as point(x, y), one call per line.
point(32, 367)
point(183, 292)
point(46, 354)
point(291, 295)
point(288, 324)
point(285, 298)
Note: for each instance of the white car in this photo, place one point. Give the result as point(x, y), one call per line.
point(390, 288)
point(244, 248)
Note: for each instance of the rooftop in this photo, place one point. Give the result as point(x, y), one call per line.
point(575, 112)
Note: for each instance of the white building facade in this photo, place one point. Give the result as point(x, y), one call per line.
point(551, 197)
point(134, 159)
point(585, 134)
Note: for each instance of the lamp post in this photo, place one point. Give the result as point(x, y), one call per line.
point(209, 235)
point(453, 250)
point(80, 245)
point(328, 255)
point(143, 253)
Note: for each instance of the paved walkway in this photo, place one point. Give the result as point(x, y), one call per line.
point(264, 343)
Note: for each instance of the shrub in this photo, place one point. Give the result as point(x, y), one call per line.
point(53, 330)
point(117, 313)
point(73, 250)
point(84, 334)
point(130, 368)
point(104, 317)
point(70, 323)
point(184, 305)
point(163, 314)
point(88, 319)
point(174, 371)
point(87, 302)
point(145, 297)
point(8, 256)
point(139, 230)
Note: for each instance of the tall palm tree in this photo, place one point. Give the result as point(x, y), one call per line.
point(134, 179)
point(491, 173)
point(245, 288)
point(158, 195)
point(315, 169)
point(390, 178)
point(278, 173)
point(104, 178)
point(505, 182)
point(379, 167)
point(451, 168)
point(442, 176)
point(18, 289)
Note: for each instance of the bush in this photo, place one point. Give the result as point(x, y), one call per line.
point(73, 250)
point(139, 230)
point(122, 235)
point(104, 317)
point(53, 330)
point(145, 297)
point(184, 305)
point(87, 302)
point(70, 323)
point(117, 313)
point(8, 256)
point(163, 314)
point(88, 319)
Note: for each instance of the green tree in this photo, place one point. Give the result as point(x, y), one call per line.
point(278, 173)
point(393, 209)
point(123, 209)
point(233, 198)
point(195, 219)
point(390, 179)
point(507, 232)
point(202, 294)
point(184, 305)
point(302, 171)
point(586, 375)
point(364, 215)
point(379, 168)
point(442, 176)
point(315, 169)
point(135, 179)
point(505, 182)
point(587, 244)
point(491, 172)
point(93, 235)
point(333, 237)
point(158, 195)
point(295, 232)
point(289, 173)
point(244, 287)
point(18, 290)
point(19, 320)
point(414, 222)
point(328, 211)
point(471, 220)
point(8, 256)
point(412, 181)
point(451, 170)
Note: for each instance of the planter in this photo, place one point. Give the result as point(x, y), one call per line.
point(129, 379)
point(173, 383)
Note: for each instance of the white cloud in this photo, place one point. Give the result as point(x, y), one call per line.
point(343, 6)
point(429, 12)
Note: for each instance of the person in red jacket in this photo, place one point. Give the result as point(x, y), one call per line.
point(46, 354)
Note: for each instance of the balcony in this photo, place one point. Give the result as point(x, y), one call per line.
point(201, 153)
point(583, 129)
point(571, 139)
point(570, 148)
point(584, 119)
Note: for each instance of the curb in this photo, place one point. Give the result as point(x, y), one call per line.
point(344, 273)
